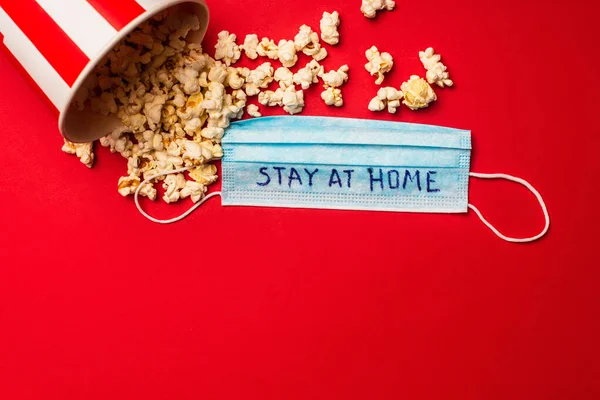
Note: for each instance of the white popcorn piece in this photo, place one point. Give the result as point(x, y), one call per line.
point(379, 64)
point(293, 100)
point(188, 77)
point(138, 164)
point(253, 111)
point(133, 164)
point(259, 78)
point(436, 70)
point(284, 77)
point(83, 151)
point(333, 97)
point(226, 49)
point(239, 99)
point(307, 41)
point(197, 60)
point(197, 153)
point(158, 142)
point(196, 191)
point(232, 102)
point(213, 98)
point(205, 174)
point(376, 104)
point(193, 115)
point(429, 58)
point(213, 132)
point(335, 78)
point(235, 77)
point(319, 54)
point(417, 93)
point(308, 75)
point(250, 46)
point(136, 122)
point(392, 96)
point(178, 131)
point(386, 96)
point(172, 185)
point(174, 150)
point(210, 150)
point(158, 166)
point(393, 106)
point(369, 8)
point(153, 109)
point(316, 69)
point(128, 185)
point(193, 153)
point(272, 98)
point(329, 28)
point(286, 53)
point(165, 79)
point(134, 106)
point(178, 97)
point(169, 117)
point(193, 125)
point(303, 37)
point(233, 108)
point(118, 142)
point(162, 158)
point(267, 48)
point(145, 142)
point(217, 73)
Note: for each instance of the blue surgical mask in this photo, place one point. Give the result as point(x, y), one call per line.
point(336, 163)
point(339, 163)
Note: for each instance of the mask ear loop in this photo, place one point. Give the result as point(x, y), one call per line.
point(172, 220)
point(528, 186)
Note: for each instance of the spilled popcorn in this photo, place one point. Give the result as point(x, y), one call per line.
point(175, 102)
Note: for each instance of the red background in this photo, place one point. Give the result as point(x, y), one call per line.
point(257, 303)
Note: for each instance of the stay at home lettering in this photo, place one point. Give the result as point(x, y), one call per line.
point(378, 179)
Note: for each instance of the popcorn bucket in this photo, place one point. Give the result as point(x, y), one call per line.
point(59, 43)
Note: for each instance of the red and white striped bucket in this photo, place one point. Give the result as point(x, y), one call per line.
point(60, 42)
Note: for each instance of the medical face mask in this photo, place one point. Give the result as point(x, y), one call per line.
point(348, 164)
